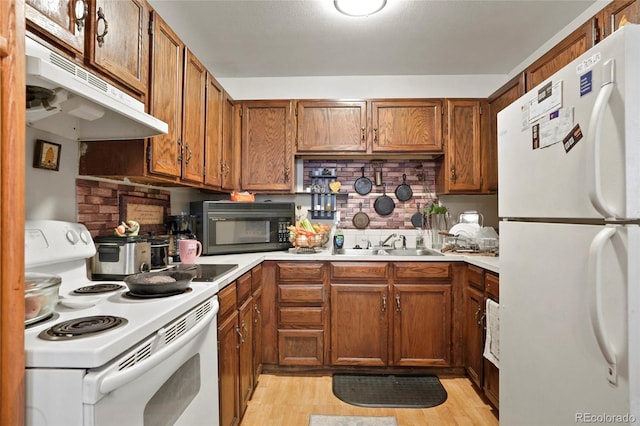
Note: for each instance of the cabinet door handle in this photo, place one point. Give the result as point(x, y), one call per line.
point(246, 330)
point(286, 174)
point(478, 313)
point(452, 171)
point(105, 27)
point(258, 313)
point(375, 135)
point(362, 130)
point(384, 303)
point(81, 11)
point(189, 153)
point(397, 303)
point(241, 337)
point(180, 150)
point(481, 321)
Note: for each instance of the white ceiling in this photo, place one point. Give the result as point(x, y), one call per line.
point(283, 38)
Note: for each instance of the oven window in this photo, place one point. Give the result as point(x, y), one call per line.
point(242, 231)
point(169, 402)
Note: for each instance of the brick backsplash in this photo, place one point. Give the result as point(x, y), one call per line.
point(348, 171)
point(99, 205)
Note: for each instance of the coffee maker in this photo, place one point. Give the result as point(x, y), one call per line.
point(180, 227)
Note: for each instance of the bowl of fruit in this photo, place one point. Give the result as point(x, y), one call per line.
point(307, 235)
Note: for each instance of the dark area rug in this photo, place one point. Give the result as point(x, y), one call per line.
point(389, 390)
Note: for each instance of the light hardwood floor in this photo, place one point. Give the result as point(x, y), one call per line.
point(289, 400)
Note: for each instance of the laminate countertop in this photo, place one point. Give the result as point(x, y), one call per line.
point(246, 261)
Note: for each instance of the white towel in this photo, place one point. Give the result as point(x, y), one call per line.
point(492, 341)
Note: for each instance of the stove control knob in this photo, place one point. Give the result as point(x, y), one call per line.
point(72, 237)
point(85, 236)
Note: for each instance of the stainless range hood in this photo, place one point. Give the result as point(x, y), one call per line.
point(77, 104)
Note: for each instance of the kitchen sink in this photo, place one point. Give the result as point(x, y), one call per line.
point(386, 251)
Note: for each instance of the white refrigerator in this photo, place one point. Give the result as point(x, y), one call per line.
point(569, 203)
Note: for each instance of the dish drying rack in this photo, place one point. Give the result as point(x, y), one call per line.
point(459, 244)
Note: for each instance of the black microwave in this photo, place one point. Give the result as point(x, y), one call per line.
point(240, 227)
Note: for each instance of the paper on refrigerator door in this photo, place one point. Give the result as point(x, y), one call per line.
point(548, 100)
point(555, 126)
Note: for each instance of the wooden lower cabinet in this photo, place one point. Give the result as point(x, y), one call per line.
point(422, 325)
point(229, 370)
point(301, 313)
point(246, 353)
point(396, 314)
point(359, 324)
point(474, 309)
point(237, 338)
point(480, 286)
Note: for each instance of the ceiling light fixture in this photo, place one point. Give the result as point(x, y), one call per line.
point(359, 7)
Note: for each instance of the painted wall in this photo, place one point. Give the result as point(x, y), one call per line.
point(52, 194)
point(364, 87)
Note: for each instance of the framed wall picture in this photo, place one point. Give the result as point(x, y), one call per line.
point(47, 155)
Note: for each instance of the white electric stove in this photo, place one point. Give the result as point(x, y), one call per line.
point(152, 351)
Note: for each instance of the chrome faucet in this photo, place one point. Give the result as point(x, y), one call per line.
point(387, 239)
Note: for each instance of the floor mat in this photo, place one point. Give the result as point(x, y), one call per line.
point(323, 420)
point(389, 390)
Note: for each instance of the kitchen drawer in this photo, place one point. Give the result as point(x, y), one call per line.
point(301, 316)
point(228, 300)
point(422, 271)
point(244, 287)
point(359, 271)
point(301, 272)
point(256, 278)
point(475, 277)
point(300, 347)
point(492, 286)
point(313, 293)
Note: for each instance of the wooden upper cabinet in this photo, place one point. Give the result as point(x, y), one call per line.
point(331, 126)
point(267, 158)
point(406, 126)
point(617, 12)
point(193, 119)
point(460, 169)
point(213, 133)
point(119, 42)
point(112, 36)
point(562, 54)
point(165, 98)
point(231, 125)
point(64, 20)
point(502, 98)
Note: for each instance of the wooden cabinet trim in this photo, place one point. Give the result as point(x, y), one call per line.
point(243, 286)
point(492, 285)
point(301, 347)
point(228, 299)
point(359, 271)
point(301, 316)
point(475, 277)
point(309, 293)
point(311, 272)
point(422, 271)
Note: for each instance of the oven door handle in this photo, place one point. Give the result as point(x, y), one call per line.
point(113, 381)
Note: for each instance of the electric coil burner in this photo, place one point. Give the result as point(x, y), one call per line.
point(98, 288)
point(130, 295)
point(82, 327)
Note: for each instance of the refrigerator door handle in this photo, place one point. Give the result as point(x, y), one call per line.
point(593, 142)
point(595, 300)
